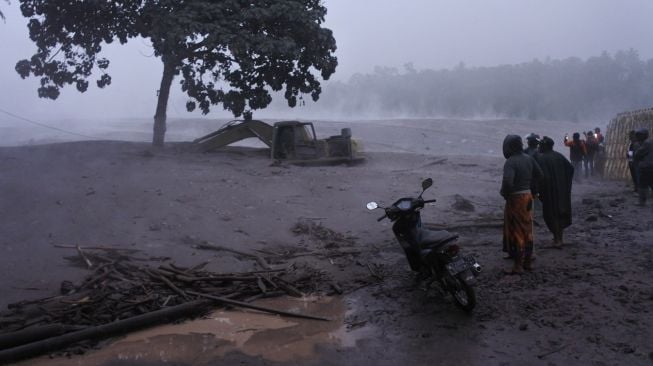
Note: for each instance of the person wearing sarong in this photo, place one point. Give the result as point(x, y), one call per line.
point(555, 189)
point(519, 171)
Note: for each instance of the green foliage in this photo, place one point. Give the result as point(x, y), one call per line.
point(229, 52)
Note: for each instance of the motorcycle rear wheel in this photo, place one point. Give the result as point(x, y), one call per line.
point(463, 294)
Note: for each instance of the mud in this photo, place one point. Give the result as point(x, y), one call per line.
point(587, 304)
point(250, 333)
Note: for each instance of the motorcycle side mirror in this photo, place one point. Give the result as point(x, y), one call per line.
point(426, 183)
point(372, 206)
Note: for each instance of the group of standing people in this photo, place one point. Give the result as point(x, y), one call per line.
point(587, 153)
point(640, 162)
point(537, 172)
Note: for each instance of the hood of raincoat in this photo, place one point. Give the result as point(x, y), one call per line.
point(512, 145)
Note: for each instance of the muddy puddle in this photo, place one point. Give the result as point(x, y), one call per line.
point(255, 334)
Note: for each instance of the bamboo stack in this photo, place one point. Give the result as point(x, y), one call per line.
point(616, 140)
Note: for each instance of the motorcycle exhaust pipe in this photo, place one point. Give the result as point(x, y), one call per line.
point(476, 267)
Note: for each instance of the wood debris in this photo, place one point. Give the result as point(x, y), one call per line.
point(125, 291)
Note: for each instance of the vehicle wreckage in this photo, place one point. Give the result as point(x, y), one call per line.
point(291, 141)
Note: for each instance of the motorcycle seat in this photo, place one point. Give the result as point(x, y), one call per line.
point(430, 239)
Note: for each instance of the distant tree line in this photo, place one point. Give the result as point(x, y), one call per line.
point(569, 89)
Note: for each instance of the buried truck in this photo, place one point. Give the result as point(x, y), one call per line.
point(291, 141)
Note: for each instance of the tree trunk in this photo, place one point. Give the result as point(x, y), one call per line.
point(169, 66)
point(104, 331)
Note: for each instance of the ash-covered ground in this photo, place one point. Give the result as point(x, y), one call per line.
point(589, 303)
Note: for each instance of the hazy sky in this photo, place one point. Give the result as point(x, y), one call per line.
point(428, 33)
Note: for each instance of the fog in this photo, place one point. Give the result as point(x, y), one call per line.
point(426, 34)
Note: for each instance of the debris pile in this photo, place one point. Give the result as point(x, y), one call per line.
point(318, 233)
point(126, 291)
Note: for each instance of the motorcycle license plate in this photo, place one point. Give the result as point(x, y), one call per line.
point(457, 266)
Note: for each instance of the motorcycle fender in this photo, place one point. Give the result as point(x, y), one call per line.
point(468, 276)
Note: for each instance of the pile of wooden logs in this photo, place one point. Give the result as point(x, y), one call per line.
point(125, 292)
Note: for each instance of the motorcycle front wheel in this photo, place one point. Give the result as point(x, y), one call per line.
point(463, 294)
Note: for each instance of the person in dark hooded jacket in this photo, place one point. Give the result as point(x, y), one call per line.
point(519, 171)
point(643, 158)
point(630, 155)
point(555, 189)
point(533, 140)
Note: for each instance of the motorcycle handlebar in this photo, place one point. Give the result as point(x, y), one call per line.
point(393, 208)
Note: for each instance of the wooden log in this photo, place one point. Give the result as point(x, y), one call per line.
point(109, 249)
point(336, 288)
point(10, 319)
point(263, 271)
point(20, 304)
point(93, 280)
point(157, 275)
point(264, 295)
point(256, 257)
point(290, 289)
point(198, 267)
point(256, 307)
point(173, 270)
point(88, 262)
point(165, 303)
point(33, 334)
point(261, 285)
point(103, 331)
point(270, 281)
point(178, 268)
point(215, 278)
point(122, 279)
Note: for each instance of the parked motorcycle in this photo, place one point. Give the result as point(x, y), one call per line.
point(432, 253)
